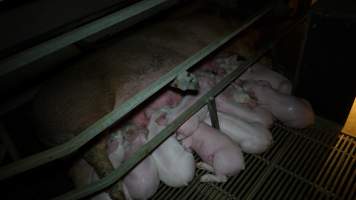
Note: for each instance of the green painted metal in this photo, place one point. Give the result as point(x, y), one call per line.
point(32, 54)
point(109, 119)
point(213, 113)
point(157, 140)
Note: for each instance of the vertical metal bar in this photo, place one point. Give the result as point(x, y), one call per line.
point(301, 54)
point(2, 152)
point(9, 145)
point(213, 113)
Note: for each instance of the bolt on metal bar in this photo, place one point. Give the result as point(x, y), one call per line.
point(119, 112)
point(213, 113)
point(32, 54)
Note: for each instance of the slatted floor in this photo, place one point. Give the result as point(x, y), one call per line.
point(313, 163)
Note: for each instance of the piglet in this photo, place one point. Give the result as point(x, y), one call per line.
point(220, 155)
point(252, 137)
point(261, 72)
point(292, 111)
point(143, 181)
point(245, 112)
point(175, 164)
point(236, 102)
point(140, 183)
point(165, 98)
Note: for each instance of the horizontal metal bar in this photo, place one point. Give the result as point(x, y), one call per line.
point(109, 119)
point(32, 54)
point(145, 150)
point(157, 140)
point(18, 100)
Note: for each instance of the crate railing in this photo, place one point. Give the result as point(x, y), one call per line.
point(41, 50)
point(103, 123)
point(150, 146)
point(119, 112)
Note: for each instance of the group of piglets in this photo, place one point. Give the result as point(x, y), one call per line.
point(246, 110)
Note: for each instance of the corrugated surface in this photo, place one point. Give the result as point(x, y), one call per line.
point(313, 163)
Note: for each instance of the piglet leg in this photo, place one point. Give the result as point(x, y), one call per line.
point(210, 177)
point(213, 178)
point(205, 166)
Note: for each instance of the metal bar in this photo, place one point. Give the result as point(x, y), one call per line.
point(292, 189)
point(301, 55)
point(2, 152)
point(269, 186)
point(106, 121)
point(327, 165)
point(248, 178)
point(232, 185)
point(346, 173)
point(284, 184)
point(17, 101)
point(9, 145)
point(213, 113)
point(161, 137)
point(32, 54)
point(336, 172)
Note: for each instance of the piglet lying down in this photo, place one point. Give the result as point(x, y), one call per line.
point(140, 183)
point(292, 111)
point(220, 155)
point(252, 137)
point(175, 164)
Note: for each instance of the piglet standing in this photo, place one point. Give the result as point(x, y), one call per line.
point(292, 111)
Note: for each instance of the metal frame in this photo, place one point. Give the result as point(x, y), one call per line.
point(8, 144)
point(301, 55)
point(103, 123)
point(35, 53)
point(119, 112)
point(149, 147)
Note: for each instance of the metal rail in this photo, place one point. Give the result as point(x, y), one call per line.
point(145, 150)
point(151, 145)
point(164, 134)
point(32, 54)
point(106, 121)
